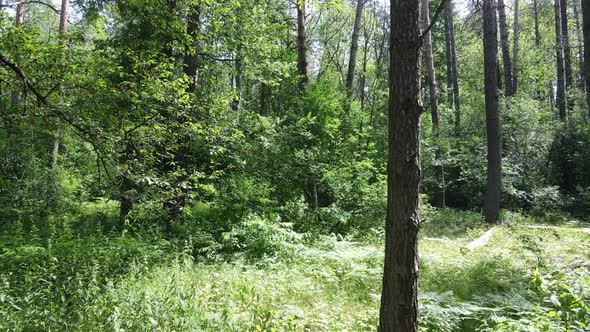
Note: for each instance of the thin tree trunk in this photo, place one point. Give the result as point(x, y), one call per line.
point(439, 199)
point(63, 30)
point(399, 300)
point(452, 77)
point(354, 45)
point(505, 49)
point(19, 19)
point(536, 22)
point(581, 80)
point(560, 97)
point(565, 39)
point(586, 33)
point(301, 44)
point(237, 82)
point(515, 47)
point(490, 47)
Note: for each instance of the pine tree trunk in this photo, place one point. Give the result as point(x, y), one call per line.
point(399, 300)
point(505, 49)
point(301, 45)
point(560, 95)
point(439, 199)
point(515, 47)
point(490, 47)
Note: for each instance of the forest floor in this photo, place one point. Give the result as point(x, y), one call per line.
point(523, 279)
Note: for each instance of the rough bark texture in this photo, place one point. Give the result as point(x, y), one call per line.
point(536, 23)
point(452, 79)
point(301, 44)
point(399, 300)
point(565, 40)
point(586, 33)
point(439, 197)
point(515, 47)
point(560, 93)
point(490, 48)
point(354, 45)
point(505, 49)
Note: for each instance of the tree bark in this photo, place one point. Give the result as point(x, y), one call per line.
point(515, 47)
point(19, 16)
point(565, 39)
point(452, 77)
point(505, 49)
point(536, 23)
point(301, 45)
point(399, 300)
point(439, 197)
point(63, 30)
point(354, 45)
point(586, 33)
point(180, 156)
point(560, 94)
point(490, 47)
point(580, 46)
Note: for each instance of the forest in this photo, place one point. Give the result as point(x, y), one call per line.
point(295, 165)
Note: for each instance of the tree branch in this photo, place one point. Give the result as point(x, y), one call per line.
point(437, 13)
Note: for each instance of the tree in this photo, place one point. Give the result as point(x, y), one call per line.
point(354, 45)
point(494, 166)
point(515, 47)
point(580, 46)
point(399, 299)
point(565, 40)
point(536, 22)
point(63, 30)
point(439, 197)
point(301, 44)
point(505, 49)
point(451, 52)
point(560, 93)
point(586, 33)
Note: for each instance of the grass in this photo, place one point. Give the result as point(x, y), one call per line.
point(524, 280)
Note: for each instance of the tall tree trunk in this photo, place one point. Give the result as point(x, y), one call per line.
point(354, 45)
point(237, 81)
point(586, 33)
point(580, 46)
point(490, 48)
point(565, 40)
point(19, 19)
point(505, 49)
point(63, 30)
point(180, 159)
point(439, 199)
point(399, 300)
point(560, 97)
point(536, 22)
point(515, 47)
point(452, 77)
point(301, 45)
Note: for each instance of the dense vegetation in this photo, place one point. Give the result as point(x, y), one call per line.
point(222, 165)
